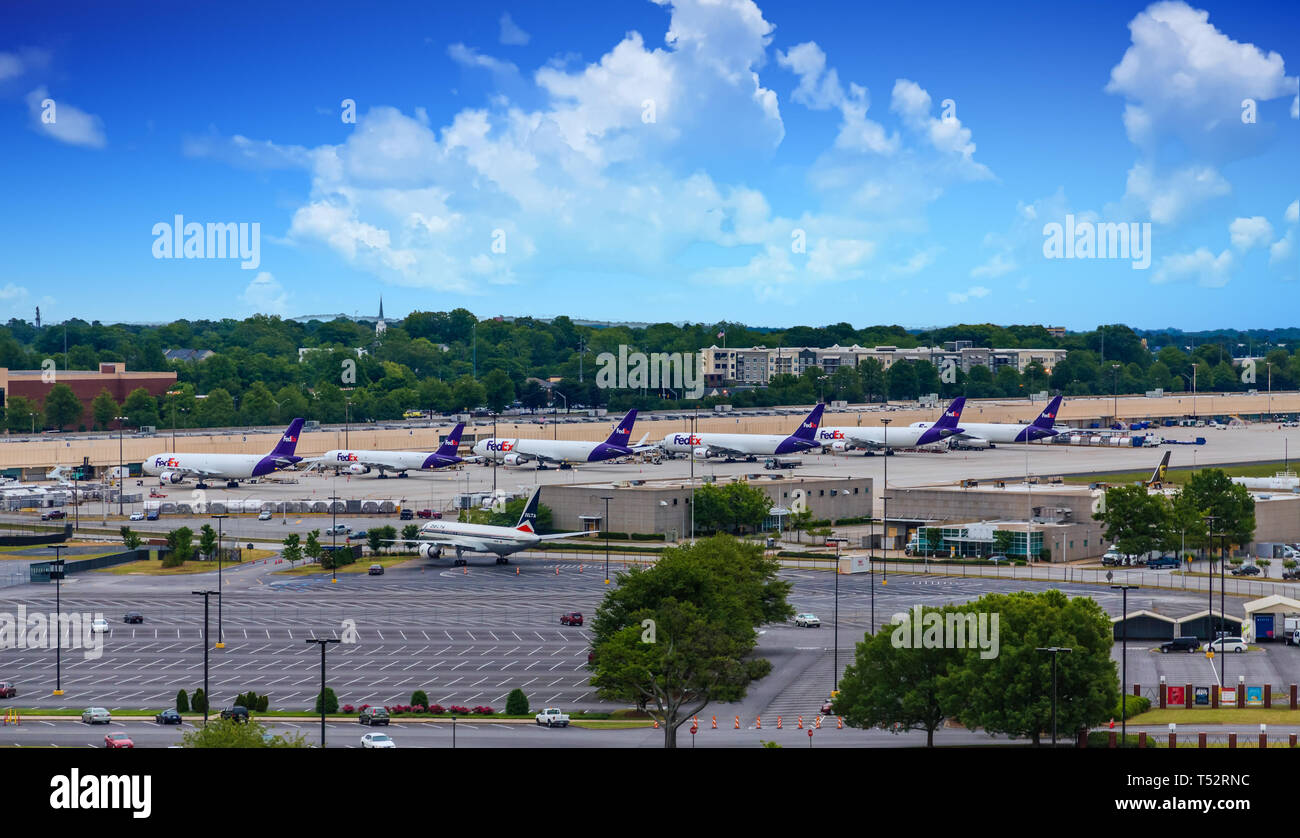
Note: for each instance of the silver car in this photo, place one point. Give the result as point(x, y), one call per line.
point(96, 715)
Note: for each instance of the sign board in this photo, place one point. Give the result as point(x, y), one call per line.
point(1254, 696)
point(1175, 695)
point(1227, 696)
point(1201, 696)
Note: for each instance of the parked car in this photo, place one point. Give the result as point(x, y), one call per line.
point(338, 529)
point(376, 570)
point(573, 618)
point(998, 558)
point(807, 621)
point(827, 708)
point(133, 617)
point(406, 515)
point(1246, 570)
point(53, 515)
point(377, 740)
point(168, 717)
point(359, 534)
point(118, 739)
point(1181, 644)
point(1164, 562)
point(553, 717)
point(137, 516)
point(8, 689)
point(98, 624)
point(1228, 644)
point(1291, 574)
point(428, 513)
point(264, 515)
point(237, 712)
point(96, 715)
point(373, 716)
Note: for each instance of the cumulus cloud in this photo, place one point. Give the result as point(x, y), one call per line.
point(265, 295)
point(999, 264)
point(1201, 265)
point(511, 34)
point(21, 62)
point(1293, 212)
point(973, 293)
point(1169, 198)
point(1250, 232)
point(945, 134)
point(12, 293)
point(64, 122)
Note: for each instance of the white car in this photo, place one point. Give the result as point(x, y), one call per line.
point(137, 516)
point(1230, 644)
point(377, 740)
point(96, 715)
point(807, 620)
point(98, 624)
point(264, 515)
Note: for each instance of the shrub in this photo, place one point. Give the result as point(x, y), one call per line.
point(1136, 704)
point(516, 703)
point(348, 708)
point(200, 701)
point(483, 710)
point(182, 702)
point(437, 709)
point(456, 708)
point(263, 702)
point(331, 701)
point(420, 697)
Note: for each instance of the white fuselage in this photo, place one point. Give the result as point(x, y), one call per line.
point(220, 466)
point(518, 451)
point(478, 537)
point(747, 444)
point(1275, 484)
point(989, 431)
point(391, 460)
point(870, 437)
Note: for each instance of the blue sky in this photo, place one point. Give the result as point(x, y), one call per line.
point(773, 163)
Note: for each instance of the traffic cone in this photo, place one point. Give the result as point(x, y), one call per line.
point(580, 567)
point(656, 724)
point(516, 571)
point(758, 722)
point(464, 570)
point(737, 723)
point(557, 570)
point(839, 722)
point(818, 724)
point(801, 723)
point(778, 722)
point(715, 723)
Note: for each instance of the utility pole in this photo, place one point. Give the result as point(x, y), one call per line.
point(322, 642)
point(207, 701)
point(1123, 696)
point(221, 638)
point(1054, 651)
point(56, 573)
point(605, 521)
point(884, 496)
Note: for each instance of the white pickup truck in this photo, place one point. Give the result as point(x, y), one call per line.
point(553, 716)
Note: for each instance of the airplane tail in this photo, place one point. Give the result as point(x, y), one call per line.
point(622, 434)
point(289, 442)
point(1158, 476)
point(952, 415)
point(808, 430)
point(528, 520)
point(451, 444)
point(1047, 419)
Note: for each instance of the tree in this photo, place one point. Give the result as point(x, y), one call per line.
point(498, 390)
point(420, 698)
point(516, 703)
point(182, 548)
point(331, 701)
point(230, 733)
point(313, 548)
point(704, 603)
point(130, 539)
point(375, 538)
point(200, 701)
point(207, 541)
point(22, 415)
point(1137, 521)
point(104, 408)
point(140, 408)
point(892, 686)
point(182, 702)
point(1011, 692)
point(509, 516)
point(732, 508)
point(62, 407)
point(292, 552)
point(410, 536)
point(1210, 492)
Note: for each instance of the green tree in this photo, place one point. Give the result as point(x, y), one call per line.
point(420, 697)
point(62, 407)
point(1210, 492)
point(313, 548)
point(217, 410)
point(467, 394)
point(1137, 521)
point(498, 389)
point(22, 415)
point(229, 733)
point(331, 702)
point(207, 541)
point(181, 542)
point(732, 508)
point(292, 551)
point(375, 539)
point(140, 408)
point(705, 602)
point(509, 516)
point(130, 539)
point(182, 702)
point(411, 536)
point(200, 701)
point(516, 703)
point(103, 409)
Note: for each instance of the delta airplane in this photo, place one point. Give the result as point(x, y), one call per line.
point(173, 468)
point(874, 438)
point(1283, 481)
point(747, 445)
point(1040, 428)
point(363, 462)
point(437, 536)
point(515, 452)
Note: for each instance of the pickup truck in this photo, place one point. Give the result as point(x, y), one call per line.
point(53, 515)
point(1162, 562)
point(428, 513)
point(553, 716)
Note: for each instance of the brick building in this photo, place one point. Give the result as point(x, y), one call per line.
point(86, 384)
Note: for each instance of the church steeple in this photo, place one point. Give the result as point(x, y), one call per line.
point(380, 325)
point(381, 308)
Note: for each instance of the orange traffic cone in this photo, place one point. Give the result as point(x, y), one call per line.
point(715, 723)
point(778, 723)
point(737, 723)
point(839, 722)
point(516, 571)
point(801, 723)
point(818, 724)
point(465, 570)
point(656, 724)
point(580, 567)
point(557, 570)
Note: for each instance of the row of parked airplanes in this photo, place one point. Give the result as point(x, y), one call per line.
point(810, 435)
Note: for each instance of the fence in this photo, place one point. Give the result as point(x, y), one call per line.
point(39, 572)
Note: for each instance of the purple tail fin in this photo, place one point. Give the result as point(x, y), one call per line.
point(952, 415)
point(289, 442)
point(622, 435)
point(1047, 419)
point(451, 444)
point(808, 430)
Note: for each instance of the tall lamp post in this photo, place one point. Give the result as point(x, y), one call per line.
point(207, 701)
point(885, 497)
point(1223, 559)
point(1054, 651)
point(121, 479)
point(322, 642)
point(1114, 391)
point(494, 459)
point(56, 573)
point(221, 637)
point(835, 679)
point(334, 537)
point(1123, 696)
point(1209, 530)
point(605, 521)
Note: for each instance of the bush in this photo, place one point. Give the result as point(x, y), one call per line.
point(199, 703)
point(182, 702)
point(263, 702)
point(437, 709)
point(516, 703)
point(331, 702)
point(459, 710)
point(484, 710)
point(1136, 704)
point(420, 697)
point(348, 708)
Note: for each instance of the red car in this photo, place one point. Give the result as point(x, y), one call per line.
point(573, 618)
point(118, 739)
point(8, 689)
point(428, 513)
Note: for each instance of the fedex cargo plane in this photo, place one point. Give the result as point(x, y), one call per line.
point(363, 462)
point(874, 438)
point(516, 452)
point(747, 445)
point(173, 468)
point(1040, 428)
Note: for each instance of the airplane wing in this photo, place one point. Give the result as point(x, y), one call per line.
point(195, 472)
point(554, 536)
point(474, 545)
point(864, 441)
point(715, 450)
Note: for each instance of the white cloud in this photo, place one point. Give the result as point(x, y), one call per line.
point(265, 295)
point(946, 134)
point(1171, 197)
point(245, 153)
point(1251, 232)
point(1293, 212)
point(12, 293)
point(511, 34)
point(973, 293)
point(1201, 265)
point(21, 62)
point(995, 267)
point(473, 59)
point(1283, 249)
point(70, 124)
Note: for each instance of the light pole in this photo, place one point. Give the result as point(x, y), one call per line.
point(322, 642)
point(347, 413)
point(1123, 696)
point(695, 415)
point(334, 537)
point(207, 701)
point(494, 459)
point(605, 521)
point(555, 430)
point(835, 679)
point(1114, 391)
point(121, 480)
point(885, 497)
point(1209, 529)
point(56, 573)
point(1269, 364)
point(1054, 650)
point(1223, 559)
point(221, 638)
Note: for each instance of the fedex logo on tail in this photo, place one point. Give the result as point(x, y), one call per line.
point(287, 438)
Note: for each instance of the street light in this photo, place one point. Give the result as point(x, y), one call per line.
point(835, 679)
point(605, 520)
point(1114, 391)
point(334, 537)
point(322, 642)
point(56, 573)
point(1209, 529)
point(220, 636)
point(494, 459)
point(1054, 651)
point(207, 701)
point(885, 497)
point(1123, 696)
point(555, 430)
point(1223, 559)
point(121, 481)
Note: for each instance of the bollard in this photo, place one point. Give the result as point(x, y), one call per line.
point(758, 722)
point(818, 723)
point(1232, 740)
point(464, 570)
point(801, 723)
point(1293, 697)
point(1214, 696)
point(1292, 741)
point(1200, 739)
point(778, 723)
point(516, 570)
point(557, 570)
point(1187, 696)
point(1142, 739)
point(1164, 688)
point(839, 722)
point(1110, 739)
point(1263, 736)
point(1173, 738)
point(737, 723)
point(715, 723)
point(1268, 696)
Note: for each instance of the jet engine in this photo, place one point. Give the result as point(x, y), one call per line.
point(358, 468)
point(171, 476)
point(429, 551)
point(514, 459)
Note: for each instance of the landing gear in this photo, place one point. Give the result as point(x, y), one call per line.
point(502, 560)
point(460, 559)
point(401, 474)
point(383, 476)
point(232, 484)
point(200, 485)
